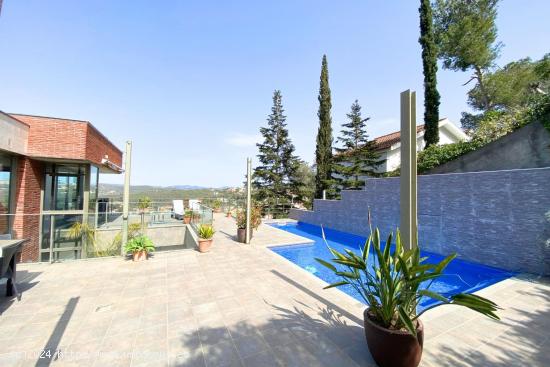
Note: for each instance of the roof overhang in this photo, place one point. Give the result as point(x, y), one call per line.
point(104, 167)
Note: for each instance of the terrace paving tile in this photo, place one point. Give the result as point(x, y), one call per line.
point(241, 305)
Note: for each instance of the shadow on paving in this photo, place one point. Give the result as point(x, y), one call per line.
point(525, 343)
point(49, 352)
point(298, 336)
point(24, 283)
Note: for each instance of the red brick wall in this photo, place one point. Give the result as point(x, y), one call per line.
point(27, 201)
point(68, 139)
point(97, 146)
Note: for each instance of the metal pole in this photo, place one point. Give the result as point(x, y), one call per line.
point(126, 197)
point(324, 194)
point(408, 170)
point(248, 197)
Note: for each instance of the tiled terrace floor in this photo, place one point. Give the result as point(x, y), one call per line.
point(239, 305)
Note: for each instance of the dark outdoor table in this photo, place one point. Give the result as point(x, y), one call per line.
point(8, 251)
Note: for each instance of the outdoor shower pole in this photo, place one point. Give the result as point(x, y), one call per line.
point(408, 170)
point(126, 194)
point(248, 197)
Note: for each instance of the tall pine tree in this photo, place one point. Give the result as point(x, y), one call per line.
point(274, 179)
point(323, 151)
point(356, 158)
point(429, 63)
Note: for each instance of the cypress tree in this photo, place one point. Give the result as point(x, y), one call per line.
point(356, 158)
point(429, 63)
point(274, 178)
point(323, 151)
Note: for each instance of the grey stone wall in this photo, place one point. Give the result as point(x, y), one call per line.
point(528, 147)
point(495, 218)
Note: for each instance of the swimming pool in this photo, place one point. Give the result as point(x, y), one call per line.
point(460, 276)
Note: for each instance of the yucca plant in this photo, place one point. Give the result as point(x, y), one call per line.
point(205, 231)
point(392, 283)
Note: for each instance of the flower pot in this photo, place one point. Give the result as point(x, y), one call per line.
point(140, 255)
point(241, 235)
point(204, 245)
point(393, 348)
point(186, 220)
point(228, 214)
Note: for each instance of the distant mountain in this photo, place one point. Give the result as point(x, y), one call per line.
point(187, 187)
point(159, 193)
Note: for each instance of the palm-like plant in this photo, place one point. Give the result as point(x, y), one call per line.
point(84, 231)
point(392, 284)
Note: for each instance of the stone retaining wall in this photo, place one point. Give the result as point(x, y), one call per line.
point(497, 218)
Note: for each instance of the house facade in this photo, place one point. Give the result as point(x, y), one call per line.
point(389, 146)
point(49, 172)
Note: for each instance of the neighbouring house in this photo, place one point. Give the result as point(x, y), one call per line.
point(49, 172)
point(389, 146)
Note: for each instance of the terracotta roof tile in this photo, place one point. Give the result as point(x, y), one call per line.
point(386, 141)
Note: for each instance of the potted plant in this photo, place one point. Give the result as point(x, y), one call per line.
point(392, 284)
point(241, 226)
point(228, 213)
point(217, 206)
point(187, 216)
point(140, 247)
point(205, 233)
point(255, 221)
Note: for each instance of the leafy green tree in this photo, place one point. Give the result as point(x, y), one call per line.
point(466, 36)
point(357, 157)
point(305, 175)
point(274, 177)
point(323, 151)
point(429, 63)
point(512, 89)
point(513, 85)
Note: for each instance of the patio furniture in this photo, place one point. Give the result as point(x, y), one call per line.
point(8, 251)
point(179, 210)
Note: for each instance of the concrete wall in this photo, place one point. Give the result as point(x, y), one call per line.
point(528, 147)
point(162, 236)
point(14, 135)
point(494, 218)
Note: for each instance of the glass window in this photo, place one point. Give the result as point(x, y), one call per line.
point(5, 178)
point(64, 187)
point(64, 246)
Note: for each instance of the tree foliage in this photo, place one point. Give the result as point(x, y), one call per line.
point(513, 85)
point(356, 157)
point(305, 175)
point(323, 151)
point(274, 176)
point(466, 36)
point(429, 63)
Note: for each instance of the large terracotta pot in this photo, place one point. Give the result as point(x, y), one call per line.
point(186, 220)
point(393, 348)
point(139, 255)
point(204, 245)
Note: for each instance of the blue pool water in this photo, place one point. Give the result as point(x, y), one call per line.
point(460, 276)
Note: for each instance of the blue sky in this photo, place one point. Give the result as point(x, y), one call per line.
point(190, 82)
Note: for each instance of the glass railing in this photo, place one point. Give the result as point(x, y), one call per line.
point(202, 215)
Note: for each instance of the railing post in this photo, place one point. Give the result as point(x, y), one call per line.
point(126, 195)
point(408, 178)
point(248, 197)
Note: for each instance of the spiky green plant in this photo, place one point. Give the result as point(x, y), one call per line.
point(392, 284)
point(205, 231)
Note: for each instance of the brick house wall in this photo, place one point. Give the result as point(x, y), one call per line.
point(54, 138)
point(27, 201)
point(67, 139)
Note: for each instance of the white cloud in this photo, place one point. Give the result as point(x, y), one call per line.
point(243, 140)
